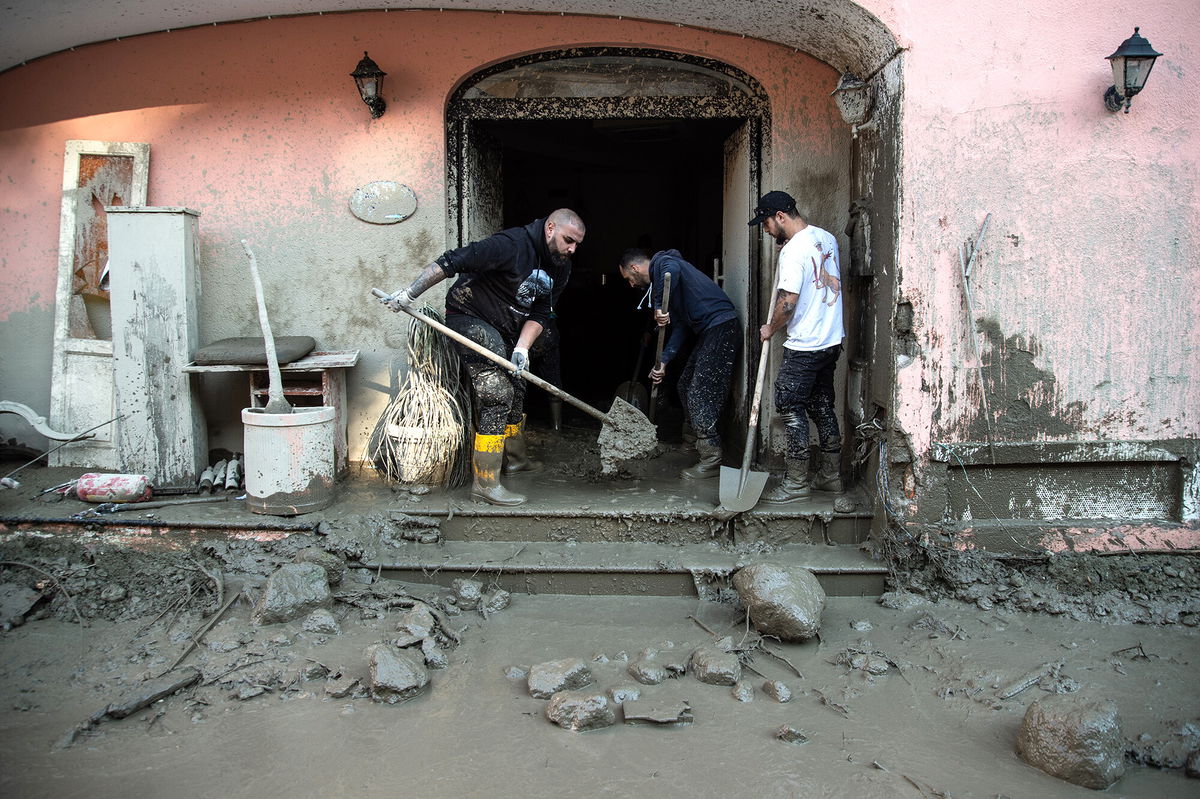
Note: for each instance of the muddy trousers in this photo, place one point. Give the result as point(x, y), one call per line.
point(803, 391)
point(705, 380)
point(499, 398)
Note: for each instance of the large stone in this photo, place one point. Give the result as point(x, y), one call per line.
point(294, 590)
point(415, 626)
point(581, 710)
point(782, 601)
point(395, 675)
point(547, 679)
point(647, 672)
point(335, 567)
point(1075, 739)
point(714, 666)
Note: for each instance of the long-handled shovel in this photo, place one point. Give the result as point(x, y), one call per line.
point(658, 353)
point(741, 488)
point(637, 434)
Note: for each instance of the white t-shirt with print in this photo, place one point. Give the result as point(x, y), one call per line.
point(809, 266)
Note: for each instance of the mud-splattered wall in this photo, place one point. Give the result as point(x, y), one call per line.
point(258, 126)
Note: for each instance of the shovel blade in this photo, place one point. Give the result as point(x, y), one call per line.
point(635, 394)
point(737, 496)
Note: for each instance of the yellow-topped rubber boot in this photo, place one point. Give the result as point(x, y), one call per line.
point(487, 463)
point(516, 457)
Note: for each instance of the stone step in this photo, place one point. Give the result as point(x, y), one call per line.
point(703, 570)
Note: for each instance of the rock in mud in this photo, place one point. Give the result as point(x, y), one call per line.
point(113, 593)
point(335, 567)
point(743, 691)
point(415, 625)
point(549, 678)
point(649, 712)
point(395, 675)
point(777, 690)
point(341, 686)
point(580, 710)
point(1192, 766)
point(467, 593)
point(786, 602)
point(626, 692)
point(494, 601)
point(15, 603)
point(294, 590)
point(714, 666)
point(647, 672)
point(321, 621)
point(900, 600)
point(435, 658)
point(1075, 739)
point(789, 733)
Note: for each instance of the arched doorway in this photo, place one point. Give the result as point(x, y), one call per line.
point(654, 149)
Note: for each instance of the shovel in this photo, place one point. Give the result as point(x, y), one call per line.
point(275, 399)
point(741, 488)
point(629, 424)
point(631, 390)
point(661, 332)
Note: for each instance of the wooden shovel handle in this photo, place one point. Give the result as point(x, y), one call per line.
point(507, 364)
point(666, 303)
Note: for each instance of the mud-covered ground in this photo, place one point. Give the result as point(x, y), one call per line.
point(263, 719)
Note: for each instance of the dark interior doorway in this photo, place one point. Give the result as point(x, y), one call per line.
point(649, 183)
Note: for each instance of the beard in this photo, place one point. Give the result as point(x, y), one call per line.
point(781, 239)
point(559, 259)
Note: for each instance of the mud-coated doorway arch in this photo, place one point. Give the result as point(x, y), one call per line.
point(645, 101)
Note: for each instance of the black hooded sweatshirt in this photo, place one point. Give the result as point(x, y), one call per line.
point(506, 279)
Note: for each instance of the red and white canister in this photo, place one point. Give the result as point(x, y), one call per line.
point(98, 487)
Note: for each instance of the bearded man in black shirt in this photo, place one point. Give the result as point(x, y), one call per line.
point(505, 290)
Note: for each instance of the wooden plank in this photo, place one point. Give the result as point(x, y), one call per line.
point(313, 362)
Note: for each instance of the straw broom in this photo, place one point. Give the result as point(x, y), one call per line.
point(419, 439)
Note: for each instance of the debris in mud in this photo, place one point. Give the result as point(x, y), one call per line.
point(937, 627)
point(16, 602)
point(777, 690)
point(579, 711)
point(785, 602)
point(871, 662)
point(645, 711)
point(467, 593)
point(630, 436)
point(322, 622)
point(294, 590)
point(647, 672)
point(715, 664)
point(547, 679)
point(132, 701)
point(743, 691)
point(395, 675)
point(1075, 739)
point(789, 733)
point(335, 567)
point(623, 693)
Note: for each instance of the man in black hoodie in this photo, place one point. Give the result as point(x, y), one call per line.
point(700, 308)
point(506, 288)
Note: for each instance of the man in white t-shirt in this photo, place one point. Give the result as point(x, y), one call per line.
point(808, 302)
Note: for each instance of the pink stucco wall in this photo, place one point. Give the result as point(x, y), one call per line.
point(258, 127)
point(1089, 269)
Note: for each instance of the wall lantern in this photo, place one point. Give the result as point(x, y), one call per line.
point(854, 99)
point(1131, 65)
point(369, 79)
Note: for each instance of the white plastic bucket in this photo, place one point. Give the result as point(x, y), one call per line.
point(289, 460)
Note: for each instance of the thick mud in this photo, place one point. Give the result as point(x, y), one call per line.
point(630, 436)
point(889, 699)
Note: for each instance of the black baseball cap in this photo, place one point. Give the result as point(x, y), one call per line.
point(770, 203)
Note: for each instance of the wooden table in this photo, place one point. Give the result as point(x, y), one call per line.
point(318, 378)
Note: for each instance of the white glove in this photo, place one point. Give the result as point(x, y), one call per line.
point(398, 299)
point(520, 359)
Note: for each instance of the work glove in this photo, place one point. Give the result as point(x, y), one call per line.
point(520, 359)
point(400, 298)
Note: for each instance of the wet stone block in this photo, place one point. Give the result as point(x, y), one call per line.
point(294, 590)
point(715, 666)
point(1075, 739)
point(581, 710)
point(395, 675)
point(786, 602)
point(547, 679)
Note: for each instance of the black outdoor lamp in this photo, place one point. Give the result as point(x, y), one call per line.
point(1131, 65)
point(369, 79)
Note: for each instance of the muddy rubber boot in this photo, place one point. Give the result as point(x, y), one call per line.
point(795, 485)
point(709, 465)
point(556, 415)
point(487, 462)
point(828, 477)
point(516, 457)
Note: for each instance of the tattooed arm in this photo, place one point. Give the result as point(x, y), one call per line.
point(785, 306)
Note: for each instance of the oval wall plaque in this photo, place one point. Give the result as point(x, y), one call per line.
point(383, 202)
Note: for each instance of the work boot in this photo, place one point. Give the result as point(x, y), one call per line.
point(709, 464)
point(556, 415)
point(487, 462)
point(516, 458)
point(828, 477)
point(795, 485)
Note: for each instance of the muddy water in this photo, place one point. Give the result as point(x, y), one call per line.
point(477, 733)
